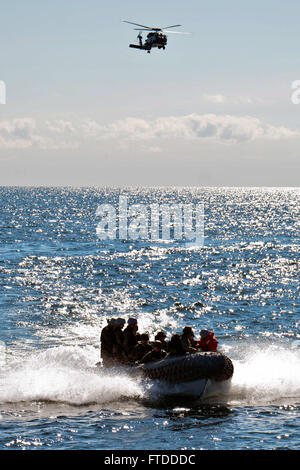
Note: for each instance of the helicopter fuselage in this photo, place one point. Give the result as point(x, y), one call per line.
point(154, 39)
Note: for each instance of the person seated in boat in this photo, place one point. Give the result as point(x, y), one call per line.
point(157, 353)
point(208, 341)
point(161, 336)
point(175, 347)
point(187, 340)
point(143, 347)
point(118, 339)
point(107, 343)
point(131, 338)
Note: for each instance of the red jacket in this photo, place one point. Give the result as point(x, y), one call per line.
point(209, 343)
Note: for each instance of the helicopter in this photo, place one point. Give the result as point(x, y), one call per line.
point(155, 36)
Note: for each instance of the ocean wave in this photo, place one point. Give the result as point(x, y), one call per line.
point(65, 375)
point(263, 373)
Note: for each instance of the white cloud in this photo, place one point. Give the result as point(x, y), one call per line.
point(23, 133)
point(17, 133)
point(60, 126)
point(230, 100)
point(90, 128)
point(220, 128)
point(147, 134)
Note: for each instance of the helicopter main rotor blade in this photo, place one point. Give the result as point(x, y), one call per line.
point(143, 29)
point(174, 26)
point(175, 32)
point(136, 24)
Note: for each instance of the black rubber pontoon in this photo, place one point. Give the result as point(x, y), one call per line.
point(204, 365)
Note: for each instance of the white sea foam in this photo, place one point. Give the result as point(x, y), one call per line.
point(64, 375)
point(265, 374)
point(67, 375)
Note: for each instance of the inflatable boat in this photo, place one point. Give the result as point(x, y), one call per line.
point(184, 376)
point(188, 375)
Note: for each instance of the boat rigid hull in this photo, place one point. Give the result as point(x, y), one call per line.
point(193, 389)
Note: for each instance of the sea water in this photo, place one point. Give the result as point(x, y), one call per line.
point(59, 283)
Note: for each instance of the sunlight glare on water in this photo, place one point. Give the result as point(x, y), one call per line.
point(60, 284)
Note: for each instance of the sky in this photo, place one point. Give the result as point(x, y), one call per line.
point(215, 108)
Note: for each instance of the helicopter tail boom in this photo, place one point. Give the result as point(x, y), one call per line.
point(136, 46)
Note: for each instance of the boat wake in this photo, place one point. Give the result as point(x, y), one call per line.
point(267, 374)
point(64, 375)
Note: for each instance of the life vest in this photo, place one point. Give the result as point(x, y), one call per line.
point(209, 343)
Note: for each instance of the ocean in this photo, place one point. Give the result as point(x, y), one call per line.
point(60, 282)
